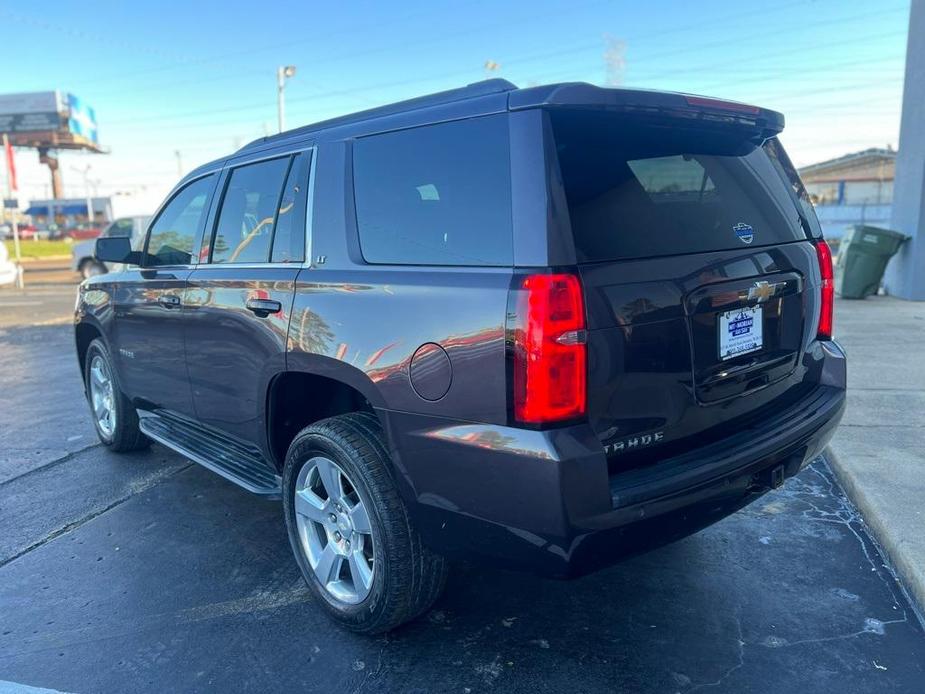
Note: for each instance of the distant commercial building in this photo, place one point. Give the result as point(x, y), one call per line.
point(68, 211)
point(852, 189)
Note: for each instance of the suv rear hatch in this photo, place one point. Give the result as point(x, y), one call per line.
point(700, 279)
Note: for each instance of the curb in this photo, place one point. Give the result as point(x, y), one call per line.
point(911, 574)
point(29, 259)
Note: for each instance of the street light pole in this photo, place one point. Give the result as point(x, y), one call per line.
point(89, 200)
point(283, 72)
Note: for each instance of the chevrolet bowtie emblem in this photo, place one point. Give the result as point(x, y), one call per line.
point(762, 291)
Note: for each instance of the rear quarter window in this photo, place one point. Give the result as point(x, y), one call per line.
point(435, 195)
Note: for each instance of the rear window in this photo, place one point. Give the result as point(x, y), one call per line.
point(436, 195)
point(636, 190)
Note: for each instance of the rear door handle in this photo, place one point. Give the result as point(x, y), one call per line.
point(168, 300)
point(263, 307)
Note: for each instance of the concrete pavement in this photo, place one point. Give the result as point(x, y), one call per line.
point(878, 452)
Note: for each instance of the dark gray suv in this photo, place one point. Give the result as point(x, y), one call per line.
point(546, 328)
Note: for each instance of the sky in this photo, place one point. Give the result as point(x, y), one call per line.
point(199, 78)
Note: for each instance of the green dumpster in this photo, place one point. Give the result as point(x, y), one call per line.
point(862, 258)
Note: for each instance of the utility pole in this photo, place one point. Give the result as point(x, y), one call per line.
point(179, 157)
point(86, 174)
point(905, 275)
point(283, 72)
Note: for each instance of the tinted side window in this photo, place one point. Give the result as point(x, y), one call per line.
point(436, 195)
point(170, 241)
point(787, 171)
point(289, 239)
point(248, 215)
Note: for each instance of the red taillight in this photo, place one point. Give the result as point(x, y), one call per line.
point(827, 292)
point(550, 356)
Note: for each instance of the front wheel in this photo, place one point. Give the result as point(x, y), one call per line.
point(114, 417)
point(349, 528)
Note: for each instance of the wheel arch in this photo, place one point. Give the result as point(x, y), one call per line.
point(85, 332)
point(313, 391)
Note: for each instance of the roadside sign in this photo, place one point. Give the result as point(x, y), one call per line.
point(10, 204)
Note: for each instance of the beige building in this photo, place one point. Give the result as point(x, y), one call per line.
point(861, 178)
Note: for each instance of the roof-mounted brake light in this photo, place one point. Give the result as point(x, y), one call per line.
point(706, 102)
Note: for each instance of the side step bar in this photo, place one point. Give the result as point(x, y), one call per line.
point(238, 463)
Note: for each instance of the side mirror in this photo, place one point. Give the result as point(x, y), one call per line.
point(116, 249)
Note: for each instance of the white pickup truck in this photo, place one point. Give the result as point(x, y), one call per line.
point(9, 271)
point(82, 254)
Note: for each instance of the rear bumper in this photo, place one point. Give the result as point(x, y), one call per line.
point(542, 501)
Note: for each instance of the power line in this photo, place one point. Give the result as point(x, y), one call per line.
point(417, 80)
point(778, 53)
point(788, 30)
point(353, 54)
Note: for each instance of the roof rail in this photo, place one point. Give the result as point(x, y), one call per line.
point(470, 91)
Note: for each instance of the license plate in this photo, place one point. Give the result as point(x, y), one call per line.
point(739, 332)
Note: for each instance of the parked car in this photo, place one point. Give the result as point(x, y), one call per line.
point(6, 231)
point(9, 271)
point(82, 253)
point(37, 232)
point(81, 232)
point(542, 328)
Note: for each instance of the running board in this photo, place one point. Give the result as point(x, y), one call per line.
point(232, 460)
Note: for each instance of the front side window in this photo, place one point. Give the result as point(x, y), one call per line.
point(170, 241)
point(436, 195)
point(248, 216)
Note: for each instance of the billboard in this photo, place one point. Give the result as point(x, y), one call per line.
point(30, 112)
point(81, 119)
point(58, 117)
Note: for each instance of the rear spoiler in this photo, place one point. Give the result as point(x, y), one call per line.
point(697, 110)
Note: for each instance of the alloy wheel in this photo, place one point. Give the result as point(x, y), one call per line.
point(101, 395)
point(335, 530)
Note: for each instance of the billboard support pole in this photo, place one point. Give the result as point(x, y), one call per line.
point(51, 161)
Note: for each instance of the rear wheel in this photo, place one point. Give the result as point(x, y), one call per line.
point(114, 417)
point(349, 528)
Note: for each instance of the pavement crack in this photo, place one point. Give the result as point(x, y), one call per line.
point(848, 516)
point(741, 657)
point(50, 464)
point(840, 637)
point(371, 675)
point(136, 489)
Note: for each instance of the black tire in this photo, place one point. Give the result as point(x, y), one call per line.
point(126, 436)
point(408, 577)
point(91, 268)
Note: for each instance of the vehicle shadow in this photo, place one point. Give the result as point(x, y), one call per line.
point(190, 585)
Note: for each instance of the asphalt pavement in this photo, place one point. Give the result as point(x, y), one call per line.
point(146, 573)
point(48, 296)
